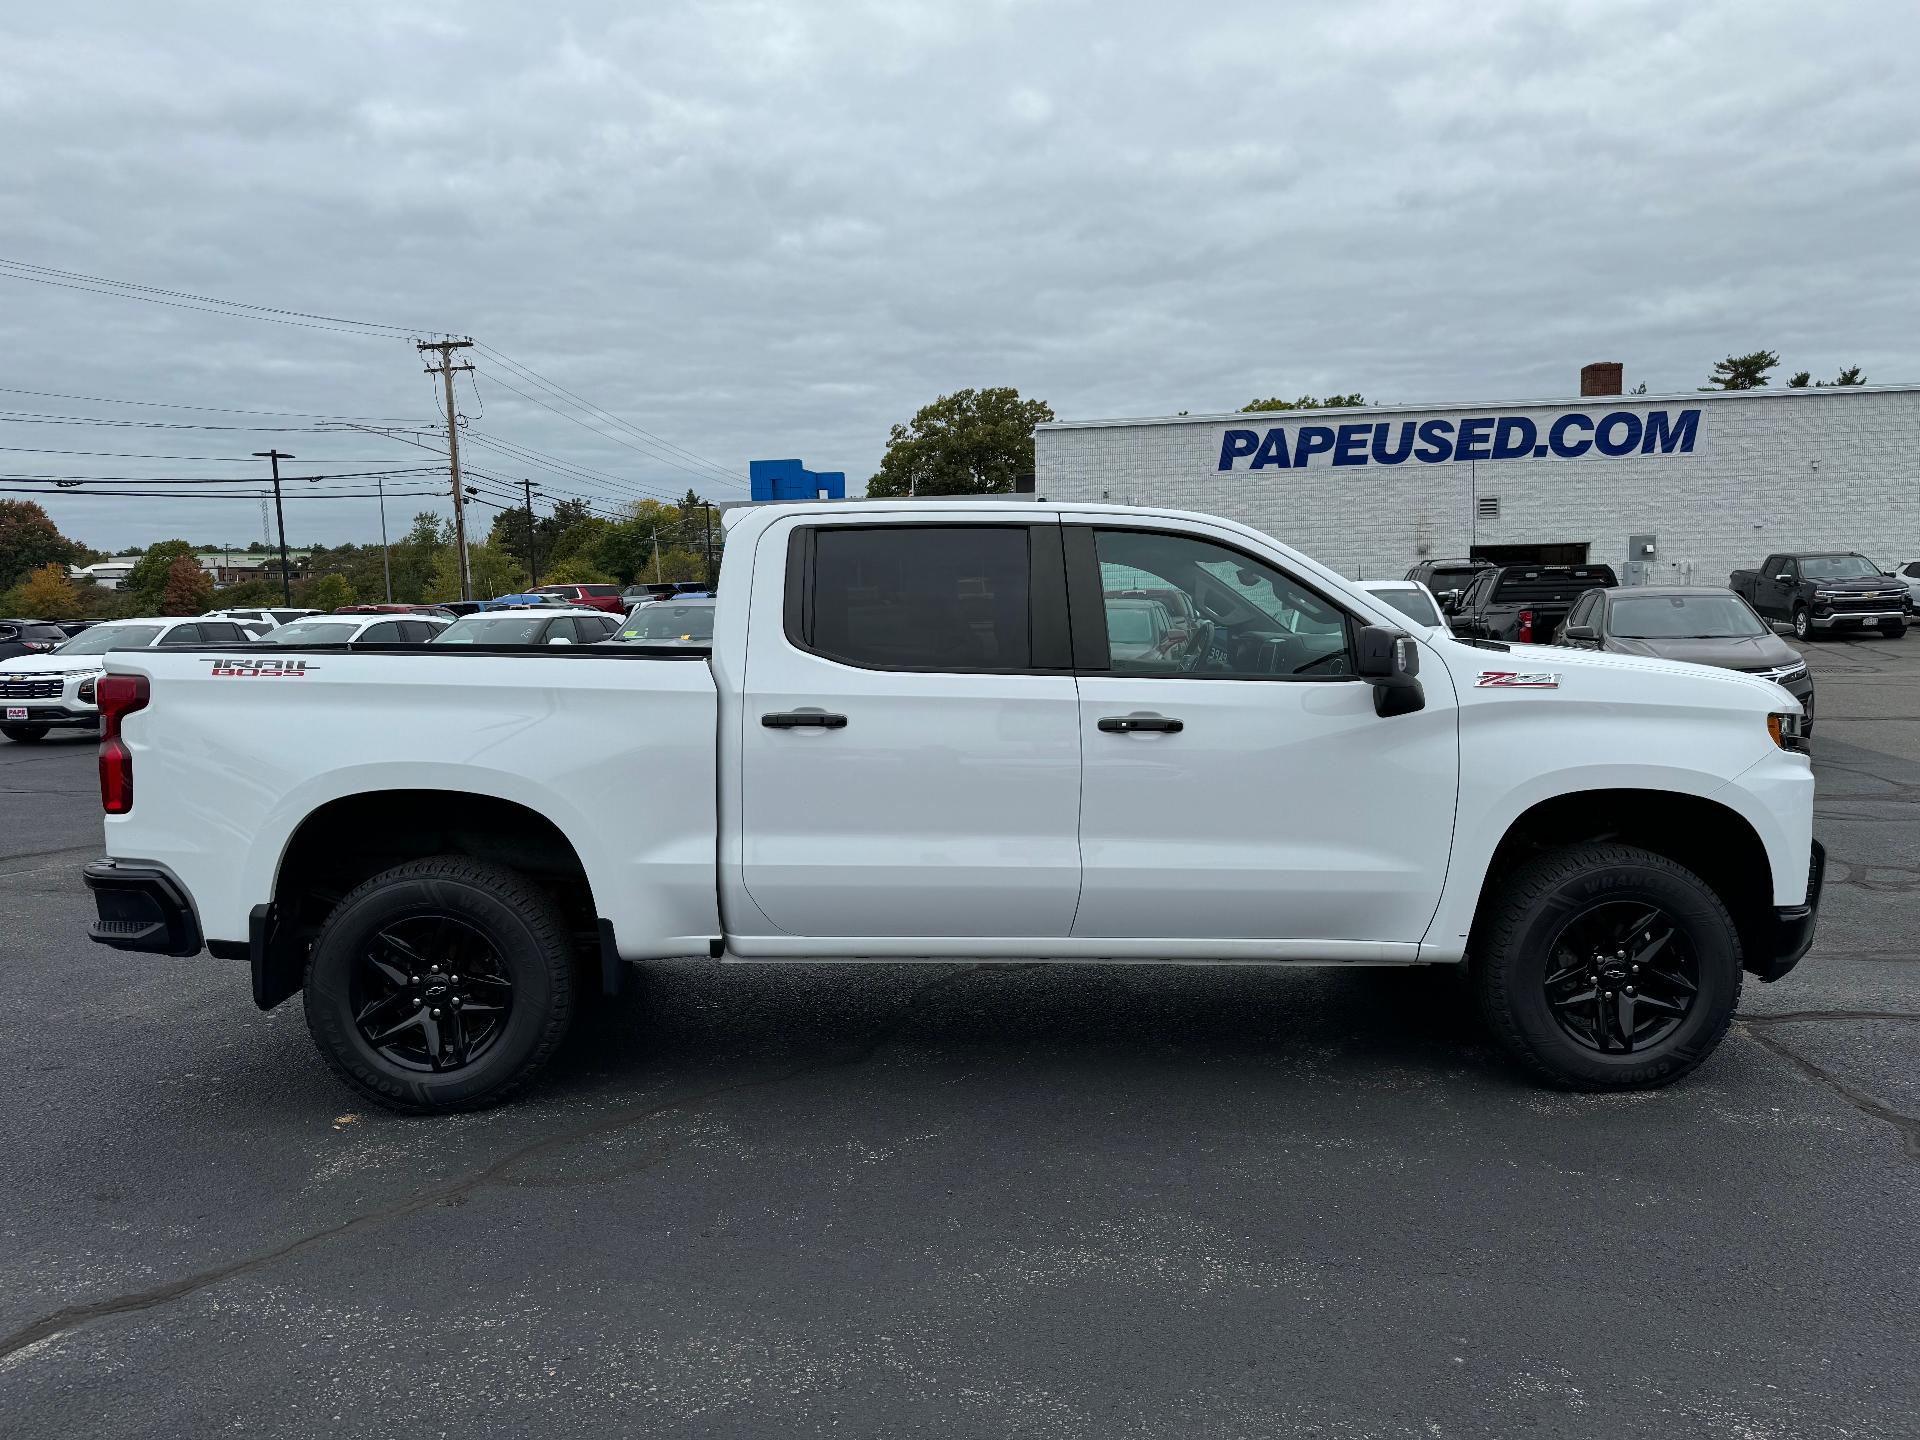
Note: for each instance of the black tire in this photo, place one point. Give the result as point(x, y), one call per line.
point(1893, 629)
point(1522, 929)
point(521, 936)
point(1802, 623)
point(23, 733)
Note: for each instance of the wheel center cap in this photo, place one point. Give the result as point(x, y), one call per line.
point(435, 991)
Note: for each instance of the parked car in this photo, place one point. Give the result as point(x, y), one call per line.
point(1523, 604)
point(456, 608)
point(379, 629)
point(71, 628)
point(1908, 573)
point(1825, 590)
point(267, 615)
point(909, 741)
point(29, 637)
point(1703, 625)
point(55, 689)
point(589, 597)
point(525, 600)
point(536, 625)
point(1446, 578)
point(1140, 632)
point(669, 622)
point(664, 590)
point(1411, 598)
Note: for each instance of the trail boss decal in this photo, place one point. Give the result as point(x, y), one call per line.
point(1517, 680)
point(242, 667)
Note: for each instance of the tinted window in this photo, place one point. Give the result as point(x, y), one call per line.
point(946, 597)
point(383, 634)
point(1179, 606)
point(221, 632)
point(312, 632)
point(102, 638)
point(182, 635)
point(605, 592)
point(1911, 568)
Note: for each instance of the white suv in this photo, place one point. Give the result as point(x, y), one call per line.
point(43, 692)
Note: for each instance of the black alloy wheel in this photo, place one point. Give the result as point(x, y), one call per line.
point(430, 992)
point(1622, 977)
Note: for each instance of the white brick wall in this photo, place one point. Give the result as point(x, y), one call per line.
point(1835, 469)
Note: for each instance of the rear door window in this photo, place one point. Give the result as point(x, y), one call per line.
point(387, 633)
point(917, 597)
point(182, 635)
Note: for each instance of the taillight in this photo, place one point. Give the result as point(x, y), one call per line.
point(119, 696)
point(1526, 626)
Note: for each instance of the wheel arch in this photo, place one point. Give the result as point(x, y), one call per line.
point(1709, 839)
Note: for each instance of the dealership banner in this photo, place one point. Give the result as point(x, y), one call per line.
point(1568, 436)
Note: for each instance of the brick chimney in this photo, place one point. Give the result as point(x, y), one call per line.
point(1603, 377)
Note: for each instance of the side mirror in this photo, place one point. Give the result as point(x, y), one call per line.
point(1784, 578)
point(559, 640)
point(1391, 660)
point(1581, 632)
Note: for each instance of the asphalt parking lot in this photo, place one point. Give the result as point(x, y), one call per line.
point(955, 1200)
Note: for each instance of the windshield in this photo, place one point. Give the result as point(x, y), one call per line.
point(669, 622)
point(1684, 617)
point(1411, 603)
point(102, 638)
point(1838, 567)
point(313, 632)
point(492, 630)
point(1133, 624)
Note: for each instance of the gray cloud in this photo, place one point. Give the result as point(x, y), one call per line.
point(771, 229)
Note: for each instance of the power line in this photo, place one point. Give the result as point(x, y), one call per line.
point(137, 455)
point(30, 417)
point(213, 409)
point(224, 495)
point(188, 300)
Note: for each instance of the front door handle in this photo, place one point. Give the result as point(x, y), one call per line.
point(1128, 724)
point(803, 719)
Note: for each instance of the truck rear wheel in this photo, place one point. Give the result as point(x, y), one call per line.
point(1606, 967)
point(440, 985)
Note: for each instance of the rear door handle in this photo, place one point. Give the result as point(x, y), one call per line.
point(802, 720)
point(1128, 724)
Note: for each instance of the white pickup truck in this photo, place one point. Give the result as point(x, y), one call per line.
point(933, 729)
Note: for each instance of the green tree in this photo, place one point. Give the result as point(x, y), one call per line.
point(1849, 376)
point(575, 570)
point(1743, 372)
point(494, 573)
point(187, 590)
point(147, 581)
point(29, 539)
point(417, 558)
point(626, 547)
point(330, 592)
point(1305, 402)
point(47, 594)
point(972, 442)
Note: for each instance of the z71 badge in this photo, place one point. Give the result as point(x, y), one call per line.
point(246, 667)
point(1517, 680)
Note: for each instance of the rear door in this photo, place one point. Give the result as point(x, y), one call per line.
point(1240, 788)
point(910, 752)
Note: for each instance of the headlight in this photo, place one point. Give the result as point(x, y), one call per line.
point(1788, 729)
point(1791, 672)
point(86, 690)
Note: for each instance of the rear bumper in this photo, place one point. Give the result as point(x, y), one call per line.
point(1794, 925)
point(142, 909)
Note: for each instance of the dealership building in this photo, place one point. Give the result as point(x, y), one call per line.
point(1668, 489)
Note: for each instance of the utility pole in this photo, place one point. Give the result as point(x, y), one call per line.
point(445, 369)
point(533, 552)
point(386, 556)
point(706, 514)
point(280, 514)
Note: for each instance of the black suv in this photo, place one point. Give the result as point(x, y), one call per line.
point(29, 637)
point(1524, 603)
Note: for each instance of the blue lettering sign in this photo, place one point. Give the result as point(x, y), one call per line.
point(1567, 436)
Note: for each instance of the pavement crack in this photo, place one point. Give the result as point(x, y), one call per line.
point(72, 1317)
point(1795, 1017)
point(1906, 1126)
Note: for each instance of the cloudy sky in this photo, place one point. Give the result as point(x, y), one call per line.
point(752, 230)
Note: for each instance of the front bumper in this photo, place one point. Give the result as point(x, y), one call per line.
point(141, 908)
point(1832, 618)
point(1793, 925)
point(51, 713)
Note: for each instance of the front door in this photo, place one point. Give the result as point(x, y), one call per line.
point(1238, 784)
point(910, 747)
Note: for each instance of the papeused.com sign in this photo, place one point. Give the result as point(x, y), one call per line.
point(1482, 437)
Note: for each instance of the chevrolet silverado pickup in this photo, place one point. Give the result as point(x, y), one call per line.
point(914, 737)
point(1827, 591)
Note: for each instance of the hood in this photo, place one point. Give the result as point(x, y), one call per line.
point(51, 664)
point(1599, 674)
point(1740, 652)
point(1860, 585)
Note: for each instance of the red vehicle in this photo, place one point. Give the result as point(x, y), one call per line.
point(597, 597)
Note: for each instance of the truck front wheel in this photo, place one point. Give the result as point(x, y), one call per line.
point(1606, 967)
point(440, 985)
point(1802, 623)
point(17, 731)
